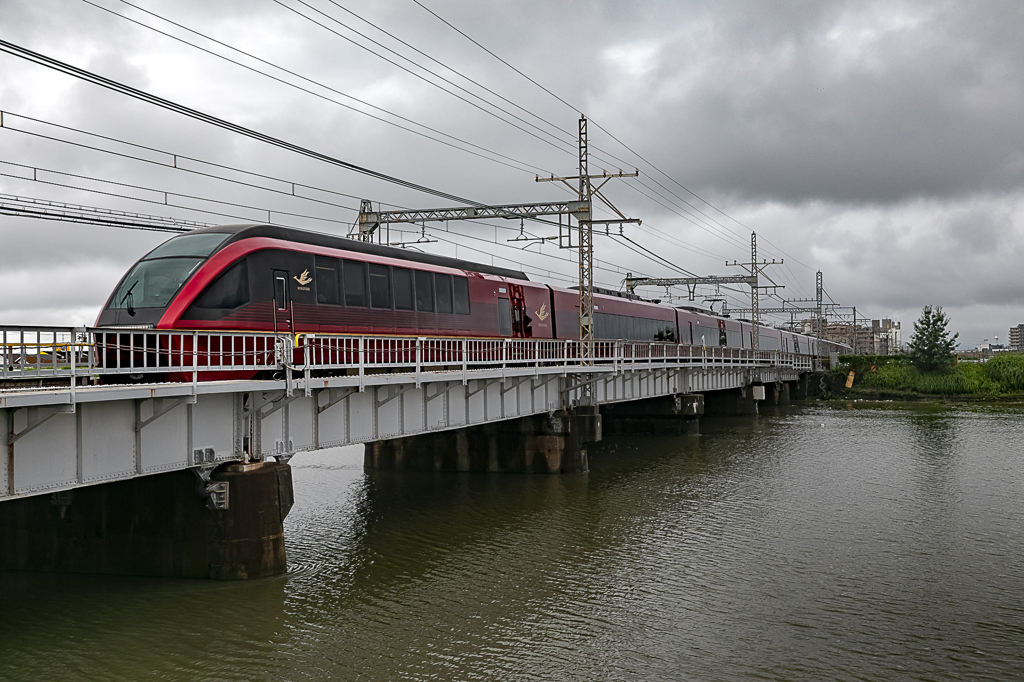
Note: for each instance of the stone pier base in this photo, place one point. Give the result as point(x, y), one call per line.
point(668, 416)
point(735, 402)
point(157, 525)
point(539, 444)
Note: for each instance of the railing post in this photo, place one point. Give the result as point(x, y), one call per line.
point(362, 363)
point(308, 374)
point(419, 359)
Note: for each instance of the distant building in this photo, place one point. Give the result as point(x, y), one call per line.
point(1017, 338)
point(888, 339)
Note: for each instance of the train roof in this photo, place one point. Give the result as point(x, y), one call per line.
point(245, 231)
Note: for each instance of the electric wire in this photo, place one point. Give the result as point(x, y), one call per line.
point(166, 193)
point(414, 74)
point(115, 86)
point(318, 84)
point(598, 125)
point(420, 66)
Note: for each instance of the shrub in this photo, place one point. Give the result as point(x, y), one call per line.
point(1006, 369)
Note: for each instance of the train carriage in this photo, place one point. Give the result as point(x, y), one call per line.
point(262, 278)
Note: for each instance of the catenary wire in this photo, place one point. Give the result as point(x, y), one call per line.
point(318, 84)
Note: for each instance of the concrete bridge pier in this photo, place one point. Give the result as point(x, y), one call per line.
point(228, 527)
point(735, 402)
point(537, 444)
point(669, 415)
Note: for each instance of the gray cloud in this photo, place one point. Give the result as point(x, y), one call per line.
point(880, 142)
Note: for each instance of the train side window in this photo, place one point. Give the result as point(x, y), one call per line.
point(380, 286)
point(281, 289)
point(327, 281)
point(443, 287)
point(424, 292)
point(401, 280)
point(355, 283)
point(504, 317)
point(229, 291)
point(461, 296)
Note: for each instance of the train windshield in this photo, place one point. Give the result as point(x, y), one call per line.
point(152, 283)
point(198, 245)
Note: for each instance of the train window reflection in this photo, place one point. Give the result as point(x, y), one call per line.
point(327, 281)
point(152, 284)
point(201, 245)
point(229, 291)
point(380, 286)
point(443, 287)
point(462, 296)
point(402, 281)
point(424, 292)
point(355, 283)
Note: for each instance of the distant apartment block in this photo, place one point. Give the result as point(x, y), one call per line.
point(1017, 338)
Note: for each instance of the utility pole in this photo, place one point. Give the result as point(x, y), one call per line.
point(370, 221)
point(818, 291)
point(755, 270)
point(586, 192)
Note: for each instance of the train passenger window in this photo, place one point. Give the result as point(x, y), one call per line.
point(504, 317)
point(229, 291)
point(380, 286)
point(401, 279)
point(281, 289)
point(424, 292)
point(355, 283)
point(327, 281)
point(443, 288)
point(462, 296)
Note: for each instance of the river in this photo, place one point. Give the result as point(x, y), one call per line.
point(826, 541)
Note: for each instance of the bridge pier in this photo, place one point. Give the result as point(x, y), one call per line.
point(735, 402)
point(669, 415)
point(538, 444)
point(158, 525)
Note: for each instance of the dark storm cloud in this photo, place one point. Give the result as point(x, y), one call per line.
point(880, 142)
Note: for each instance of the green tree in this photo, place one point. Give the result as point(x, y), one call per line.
point(931, 348)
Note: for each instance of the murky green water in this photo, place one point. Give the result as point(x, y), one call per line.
point(822, 542)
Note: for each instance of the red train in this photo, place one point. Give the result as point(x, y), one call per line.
point(267, 278)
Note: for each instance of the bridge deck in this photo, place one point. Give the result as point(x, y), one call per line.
point(277, 395)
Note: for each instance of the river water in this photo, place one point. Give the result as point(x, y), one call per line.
point(827, 541)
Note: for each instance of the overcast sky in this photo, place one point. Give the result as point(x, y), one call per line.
point(882, 143)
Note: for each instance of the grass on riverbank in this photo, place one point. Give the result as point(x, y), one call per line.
point(1002, 374)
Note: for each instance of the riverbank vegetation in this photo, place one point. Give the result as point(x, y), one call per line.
point(1003, 374)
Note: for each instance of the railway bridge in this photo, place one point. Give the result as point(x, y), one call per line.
point(141, 451)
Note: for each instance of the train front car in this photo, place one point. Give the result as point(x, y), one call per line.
point(231, 281)
point(143, 295)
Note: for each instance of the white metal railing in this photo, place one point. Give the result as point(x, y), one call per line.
point(182, 355)
point(48, 352)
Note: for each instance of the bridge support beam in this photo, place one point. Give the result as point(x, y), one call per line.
point(670, 415)
point(159, 525)
point(538, 444)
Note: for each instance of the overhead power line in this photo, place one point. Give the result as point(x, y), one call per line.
point(27, 207)
point(579, 111)
point(318, 84)
point(115, 86)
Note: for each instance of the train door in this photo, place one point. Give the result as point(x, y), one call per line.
point(517, 303)
point(281, 316)
point(504, 312)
